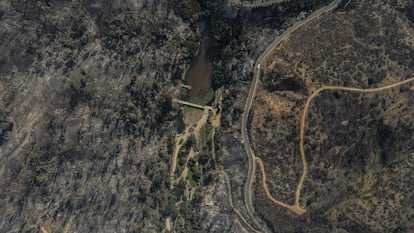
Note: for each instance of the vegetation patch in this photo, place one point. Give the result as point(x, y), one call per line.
point(205, 137)
point(205, 99)
point(187, 110)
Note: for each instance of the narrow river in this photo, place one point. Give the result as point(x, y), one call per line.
point(199, 75)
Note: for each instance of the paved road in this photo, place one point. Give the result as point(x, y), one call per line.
point(252, 165)
point(227, 179)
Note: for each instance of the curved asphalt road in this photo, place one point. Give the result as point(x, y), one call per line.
point(227, 179)
point(250, 98)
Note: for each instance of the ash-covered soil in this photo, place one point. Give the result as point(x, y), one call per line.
point(86, 119)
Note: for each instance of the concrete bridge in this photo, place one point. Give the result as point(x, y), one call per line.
point(204, 107)
point(185, 86)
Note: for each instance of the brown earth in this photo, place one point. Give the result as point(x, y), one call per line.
point(358, 146)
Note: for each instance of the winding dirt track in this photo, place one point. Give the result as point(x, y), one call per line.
point(248, 195)
point(296, 208)
point(305, 113)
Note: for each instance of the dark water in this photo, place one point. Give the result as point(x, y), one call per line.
point(199, 75)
